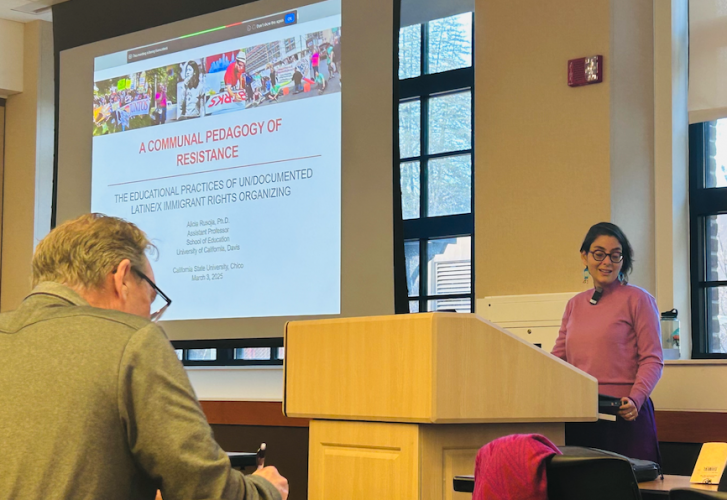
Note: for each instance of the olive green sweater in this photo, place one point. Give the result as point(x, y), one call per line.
point(94, 404)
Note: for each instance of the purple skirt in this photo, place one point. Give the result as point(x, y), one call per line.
point(635, 439)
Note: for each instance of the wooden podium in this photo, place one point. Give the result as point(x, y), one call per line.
point(401, 404)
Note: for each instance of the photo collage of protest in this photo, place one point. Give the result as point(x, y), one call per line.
point(276, 72)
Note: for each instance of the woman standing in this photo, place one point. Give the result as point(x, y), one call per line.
point(191, 93)
point(314, 60)
point(161, 99)
point(612, 332)
point(273, 75)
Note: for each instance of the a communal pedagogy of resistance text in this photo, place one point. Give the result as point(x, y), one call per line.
point(228, 188)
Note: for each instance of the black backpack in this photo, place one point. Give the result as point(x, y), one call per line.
point(644, 470)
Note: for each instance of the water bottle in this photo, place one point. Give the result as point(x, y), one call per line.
point(670, 334)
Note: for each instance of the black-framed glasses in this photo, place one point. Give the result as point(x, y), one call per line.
point(600, 255)
point(161, 302)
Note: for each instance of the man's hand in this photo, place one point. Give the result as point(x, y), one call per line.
point(271, 474)
point(233, 95)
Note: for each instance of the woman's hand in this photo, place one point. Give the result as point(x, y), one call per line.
point(628, 410)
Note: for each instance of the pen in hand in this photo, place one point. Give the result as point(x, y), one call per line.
point(260, 458)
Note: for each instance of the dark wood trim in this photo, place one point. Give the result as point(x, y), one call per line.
point(672, 426)
point(263, 413)
point(691, 426)
point(2, 102)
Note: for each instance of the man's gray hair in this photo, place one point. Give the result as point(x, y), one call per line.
point(80, 253)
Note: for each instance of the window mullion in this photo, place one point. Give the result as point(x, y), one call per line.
point(425, 49)
point(423, 163)
point(472, 174)
point(697, 244)
point(423, 274)
point(451, 81)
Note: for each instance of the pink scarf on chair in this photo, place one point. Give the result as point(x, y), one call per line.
point(513, 468)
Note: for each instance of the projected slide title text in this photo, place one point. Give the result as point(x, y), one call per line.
point(210, 136)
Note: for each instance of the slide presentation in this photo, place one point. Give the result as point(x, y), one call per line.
point(224, 146)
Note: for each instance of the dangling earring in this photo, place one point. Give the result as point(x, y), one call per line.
point(621, 277)
point(586, 274)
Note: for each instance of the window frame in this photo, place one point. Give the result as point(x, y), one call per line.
point(703, 202)
point(424, 228)
point(226, 351)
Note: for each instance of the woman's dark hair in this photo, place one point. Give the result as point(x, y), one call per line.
point(608, 229)
point(194, 81)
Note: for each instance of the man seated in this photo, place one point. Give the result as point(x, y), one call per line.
point(94, 402)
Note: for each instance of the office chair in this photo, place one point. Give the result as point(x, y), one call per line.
point(591, 477)
point(690, 494)
point(578, 478)
point(581, 473)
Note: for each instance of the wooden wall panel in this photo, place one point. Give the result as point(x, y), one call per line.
point(287, 449)
point(263, 413)
point(691, 426)
point(672, 426)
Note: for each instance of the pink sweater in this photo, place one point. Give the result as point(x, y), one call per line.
point(618, 340)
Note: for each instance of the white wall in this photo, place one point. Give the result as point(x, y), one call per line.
point(28, 175)
point(693, 385)
point(237, 383)
point(11, 57)
point(671, 146)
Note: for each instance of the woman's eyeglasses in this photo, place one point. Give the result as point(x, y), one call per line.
point(600, 255)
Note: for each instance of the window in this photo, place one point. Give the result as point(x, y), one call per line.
point(708, 229)
point(232, 352)
point(436, 159)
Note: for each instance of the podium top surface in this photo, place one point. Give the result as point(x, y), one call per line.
point(428, 368)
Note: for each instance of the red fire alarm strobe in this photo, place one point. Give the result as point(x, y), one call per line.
point(585, 71)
